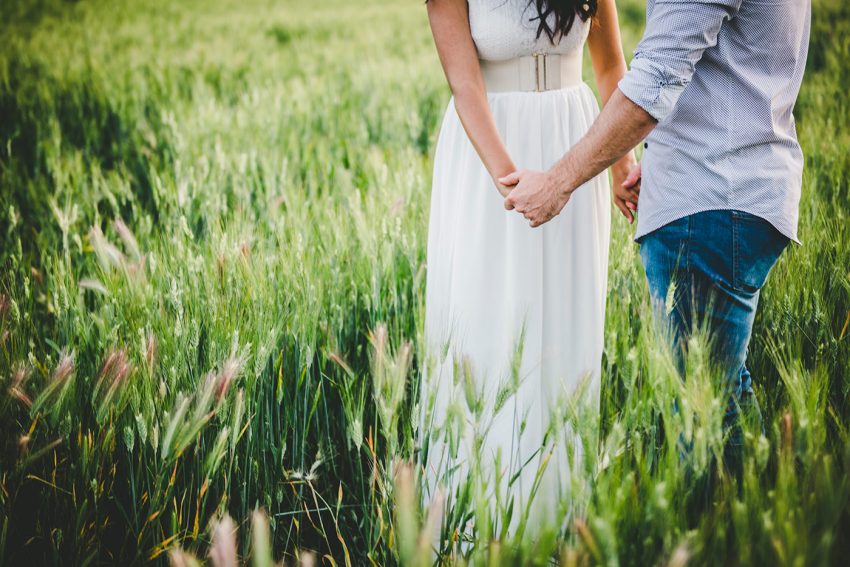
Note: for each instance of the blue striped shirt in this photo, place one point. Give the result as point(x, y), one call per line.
point(721, 77)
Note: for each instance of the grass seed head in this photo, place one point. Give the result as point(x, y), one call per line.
point(19, 378)
point(23, 445)
point(63, 370)
point(680, 557)
point(115, 370)
point(308, 559)
point(150, 351)
point(5, 305)
point(223, 548)
point(225, 377)
point(127, 237)
point(787, 431)
point(179, 558)
point(93, 285)
point(107, 254)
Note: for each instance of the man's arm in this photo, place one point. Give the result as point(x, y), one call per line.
point(609, 67)
point(541, 195)
point(619, 128)
point(677, 34)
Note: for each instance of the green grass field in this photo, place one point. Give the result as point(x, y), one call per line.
point(212, 248)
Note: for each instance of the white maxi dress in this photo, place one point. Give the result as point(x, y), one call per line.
point(493, 280)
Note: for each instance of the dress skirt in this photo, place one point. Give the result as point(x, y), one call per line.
point(514, 315)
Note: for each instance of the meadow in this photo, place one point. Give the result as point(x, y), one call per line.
point(212, 256)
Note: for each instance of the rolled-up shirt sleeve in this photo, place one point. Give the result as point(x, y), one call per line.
point(677, 34)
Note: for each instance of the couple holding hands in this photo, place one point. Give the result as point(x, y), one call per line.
point(521, 206)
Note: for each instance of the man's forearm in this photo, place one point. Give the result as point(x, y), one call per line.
point(619, 128)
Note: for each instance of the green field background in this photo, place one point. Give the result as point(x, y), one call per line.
point(212, 261)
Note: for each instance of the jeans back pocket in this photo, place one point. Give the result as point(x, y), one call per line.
point(757, 246)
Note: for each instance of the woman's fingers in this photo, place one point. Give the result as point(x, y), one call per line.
point(621, 204)
point(510, 179)
point(632, 193)
point(633, 177)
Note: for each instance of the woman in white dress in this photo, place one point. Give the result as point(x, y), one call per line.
point(517, 310)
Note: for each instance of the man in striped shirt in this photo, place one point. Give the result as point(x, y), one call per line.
point(711, 90)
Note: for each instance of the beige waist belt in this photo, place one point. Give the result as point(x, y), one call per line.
point(533, 73)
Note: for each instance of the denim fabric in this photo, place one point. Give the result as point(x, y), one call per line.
point(718, 262)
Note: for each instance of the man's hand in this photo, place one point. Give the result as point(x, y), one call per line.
point(536, 195)
point(626, 187)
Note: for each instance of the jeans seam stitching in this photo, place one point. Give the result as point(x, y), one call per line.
point(688, 246)
point(736, 255)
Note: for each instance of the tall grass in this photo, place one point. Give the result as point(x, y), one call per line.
point(212, 248)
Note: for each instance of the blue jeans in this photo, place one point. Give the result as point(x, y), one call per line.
point(719, 261)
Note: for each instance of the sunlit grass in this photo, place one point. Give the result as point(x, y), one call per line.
point(212, 275)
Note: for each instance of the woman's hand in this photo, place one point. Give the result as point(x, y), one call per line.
point(501, 169)
point(626, 185)
point(502, 188)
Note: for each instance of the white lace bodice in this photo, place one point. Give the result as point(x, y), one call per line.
point(502, 29)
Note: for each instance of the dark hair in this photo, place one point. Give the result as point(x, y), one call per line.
point(565, 12)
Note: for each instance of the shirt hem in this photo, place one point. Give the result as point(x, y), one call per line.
point(654, 222)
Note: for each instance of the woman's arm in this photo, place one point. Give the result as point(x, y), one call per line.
point(450, 26)
point(609, 66)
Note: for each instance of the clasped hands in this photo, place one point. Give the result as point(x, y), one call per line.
point(540, 196)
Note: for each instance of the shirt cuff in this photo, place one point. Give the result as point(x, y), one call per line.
point(651, 87)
